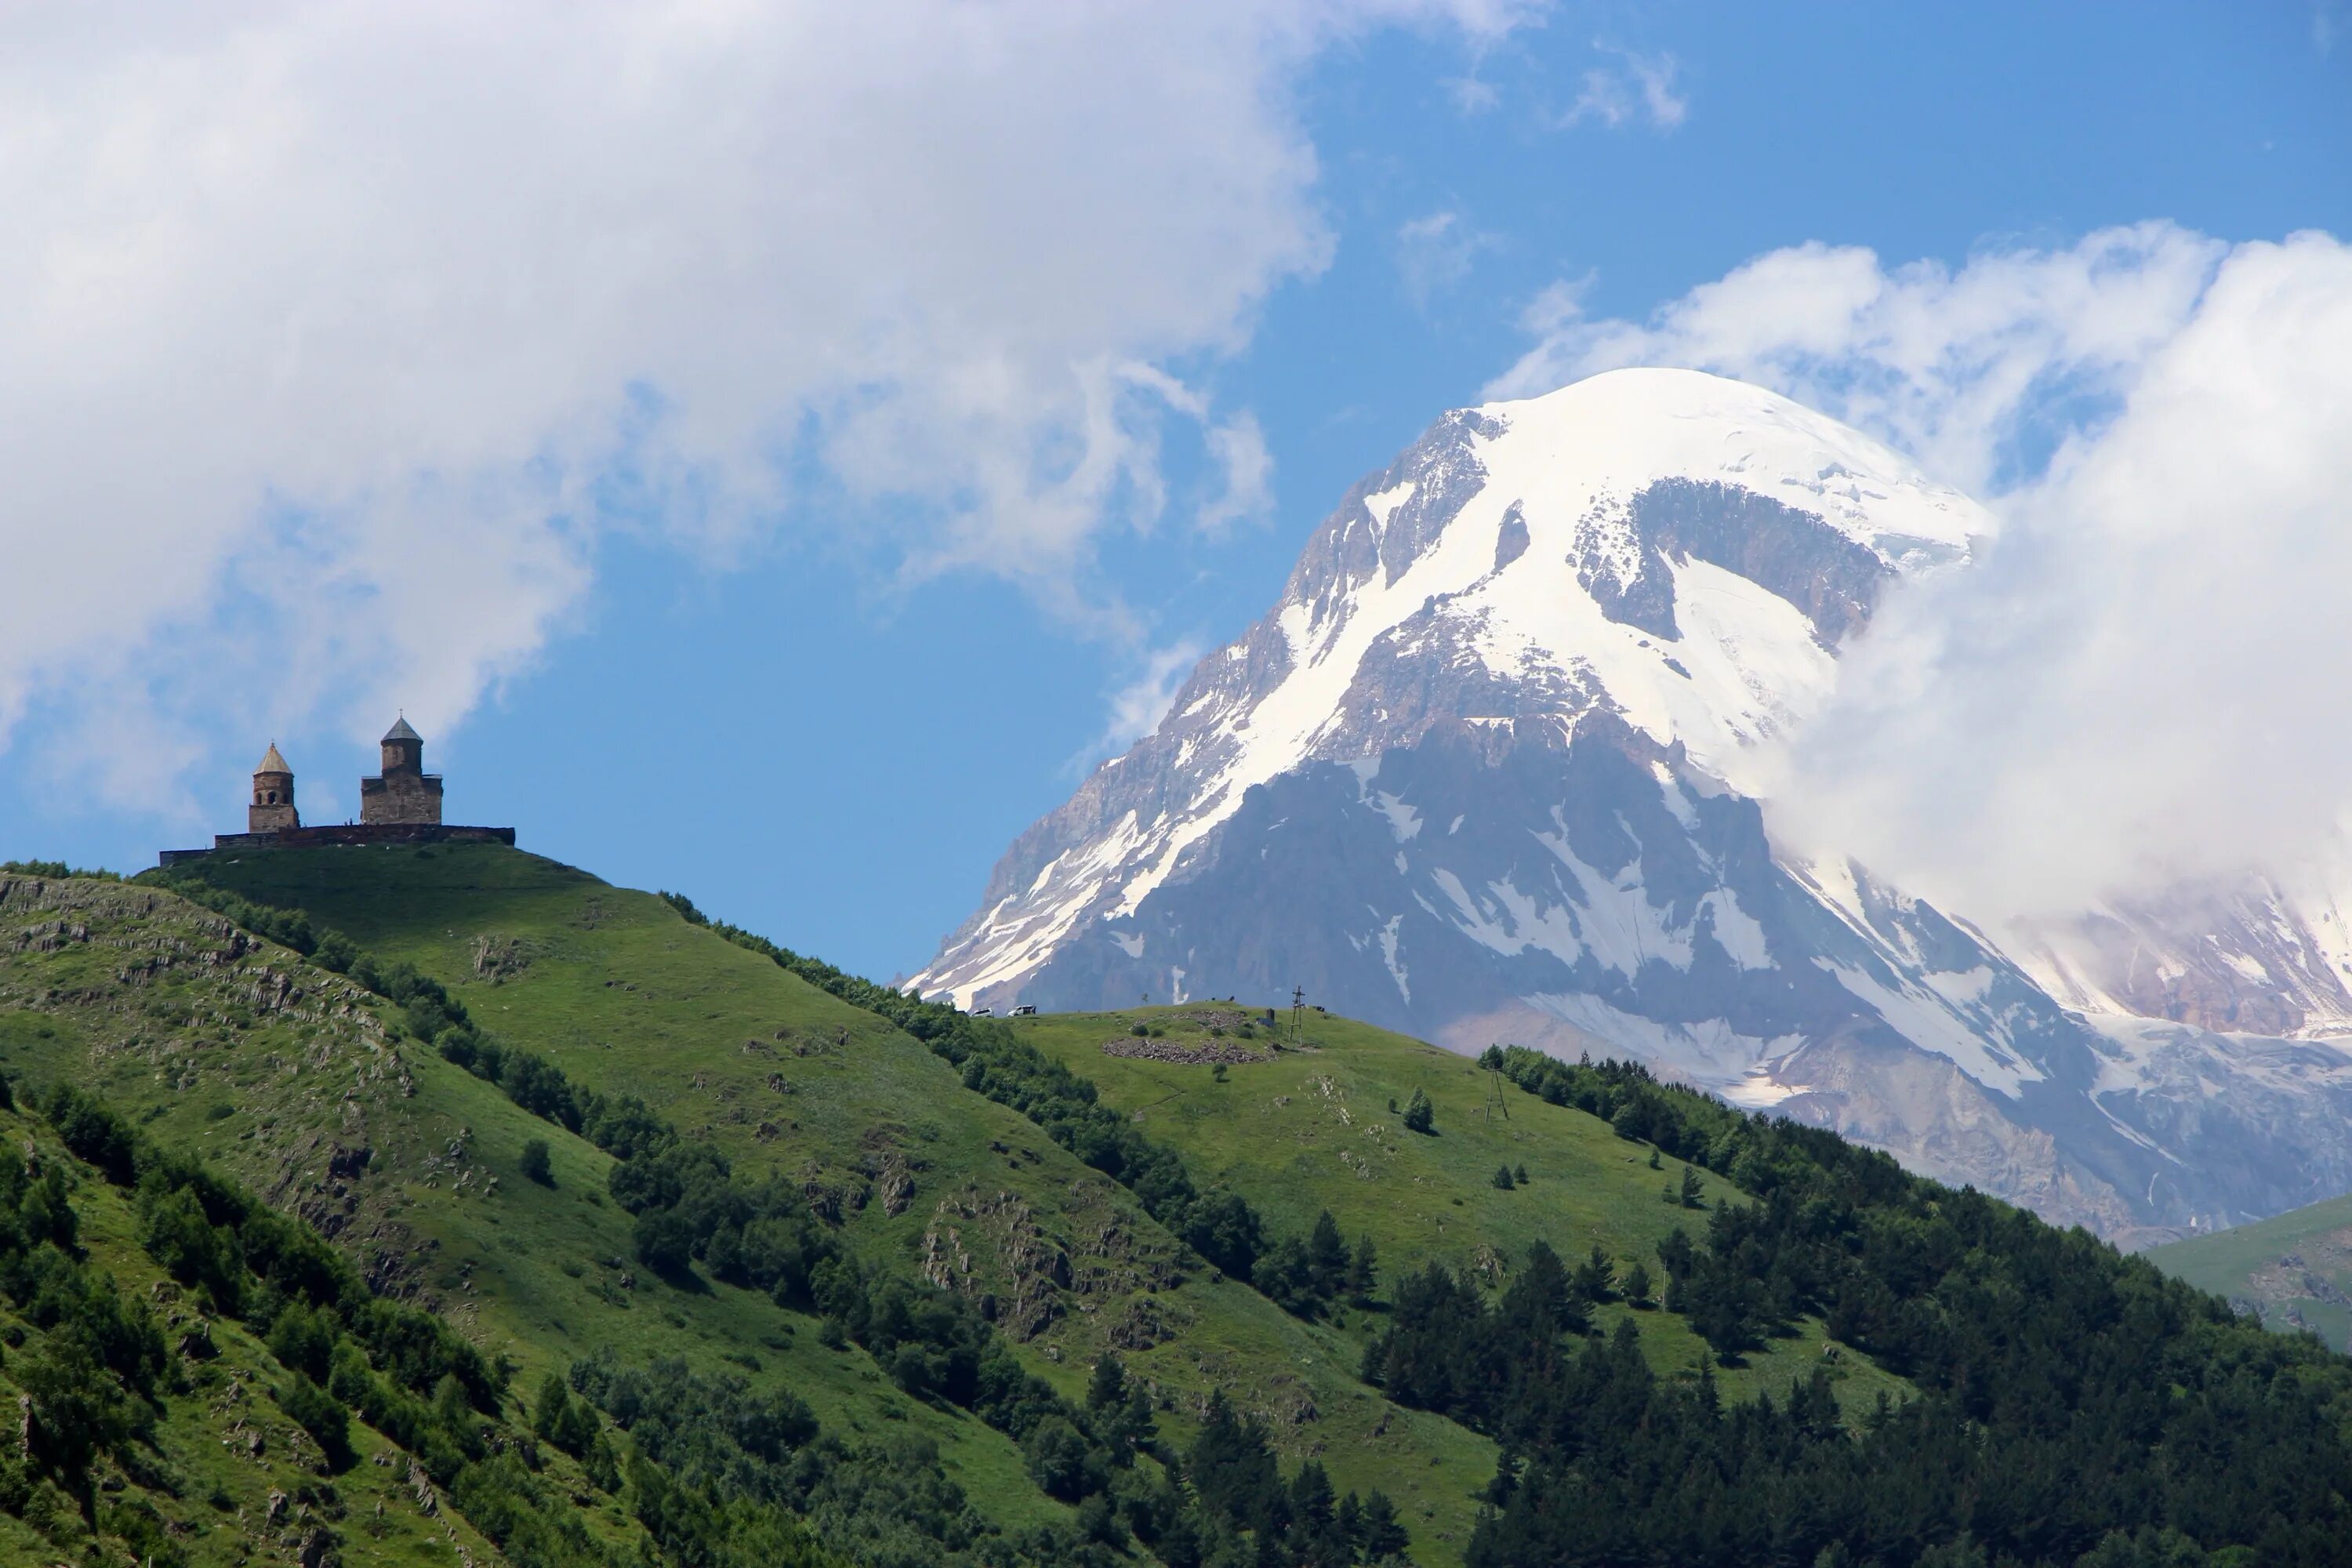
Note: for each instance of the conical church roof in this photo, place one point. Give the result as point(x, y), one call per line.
point(401, 732)
point(271, 762)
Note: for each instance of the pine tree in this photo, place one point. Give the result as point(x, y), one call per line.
point(1106, 1389)
point(1315, 1537)
point(1363, 1270)
point(1691, 1189)
point(1326, 1256)
point(1503, 1180)
point(1590, 1280)
point(1136, 1428)
point(1420, 1116)
point(553, 1400)
point(1539, 1302)
point(1384, 1538)
point(1349, 1518)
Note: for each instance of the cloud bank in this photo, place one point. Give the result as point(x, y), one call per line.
point(332, 336)
point(2144, 683)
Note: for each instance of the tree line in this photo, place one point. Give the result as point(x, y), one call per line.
point(2074, 1407)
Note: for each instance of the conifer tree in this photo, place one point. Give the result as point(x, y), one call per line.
point(1637, 1286)
point(1384, 1538)
point(1363, 1270)
point(1326, 1256)
point(1591, 1281)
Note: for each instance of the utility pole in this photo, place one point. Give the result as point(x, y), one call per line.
point(1298, 1016)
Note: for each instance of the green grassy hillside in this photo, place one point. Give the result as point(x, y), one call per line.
point(222, 1473)
point(918, 1173)
point(1319, 1129)
point(2294, 1270)
point(759, 1263)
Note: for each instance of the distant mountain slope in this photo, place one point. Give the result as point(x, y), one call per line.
point(1485, 772)
point(2294, 1270)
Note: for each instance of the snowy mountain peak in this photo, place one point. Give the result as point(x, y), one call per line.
point(1677, 549)
point(1488, 772)
point(1620, 430)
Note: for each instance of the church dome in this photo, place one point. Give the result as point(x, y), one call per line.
point(271, 762)
point(401, 732)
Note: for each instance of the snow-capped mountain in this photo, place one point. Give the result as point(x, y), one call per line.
point(1487, 773)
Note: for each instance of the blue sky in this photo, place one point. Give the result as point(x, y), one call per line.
point(714, 651)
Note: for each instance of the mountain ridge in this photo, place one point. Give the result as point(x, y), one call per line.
point(1396, 789)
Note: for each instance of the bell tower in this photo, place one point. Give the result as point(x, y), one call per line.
point(403, 793)
point(273, 796)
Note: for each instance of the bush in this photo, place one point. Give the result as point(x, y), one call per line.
point(303, 1341)
point(321, 1414)
point(533, 1163)
point(1420, 1116)
point(1060, 1461)
point(1503, 1178)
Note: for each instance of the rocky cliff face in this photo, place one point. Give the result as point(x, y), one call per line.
point(1486, 773)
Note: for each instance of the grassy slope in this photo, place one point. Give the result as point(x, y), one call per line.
point(201, 1476)
point(542, 1275)
point(1305, 1131)
point(2294, 1268)
point(626, 996)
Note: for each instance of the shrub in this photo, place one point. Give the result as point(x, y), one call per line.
point(303, 1340)
point(534, 1164)
point(1420, 1116)
point(1060, 1461)
point(321, 1414)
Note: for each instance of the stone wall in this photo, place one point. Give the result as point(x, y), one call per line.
point(346, 834)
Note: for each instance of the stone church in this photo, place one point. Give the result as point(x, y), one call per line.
point(402, 805)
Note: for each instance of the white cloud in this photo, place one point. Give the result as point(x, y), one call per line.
point(1635, 88)
point(1953, 366)
point(1472, 94)
point(1434, 253)
point(326, 329)
point(1238, 447)
point(2142, 684)
point(1138, 706)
